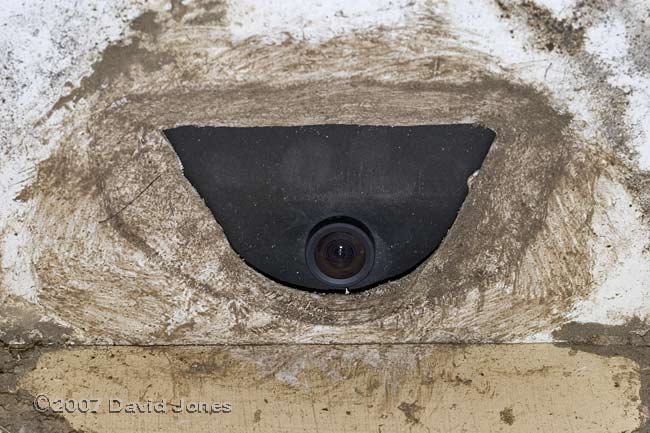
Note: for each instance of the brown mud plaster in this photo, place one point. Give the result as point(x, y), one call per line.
point(631, 341)
point(119, 59)
point(411, 411)
point(22, 342)
point(519, 247)
point(507, 416)
point(565, 35)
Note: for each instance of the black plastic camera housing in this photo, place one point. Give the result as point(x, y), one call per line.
point(333, 207)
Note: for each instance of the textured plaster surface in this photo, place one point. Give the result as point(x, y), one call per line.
point(102, 234)
point(103, 240)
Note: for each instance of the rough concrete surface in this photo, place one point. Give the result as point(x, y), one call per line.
point(104, 241)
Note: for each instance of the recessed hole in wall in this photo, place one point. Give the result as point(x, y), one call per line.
point(333, 207)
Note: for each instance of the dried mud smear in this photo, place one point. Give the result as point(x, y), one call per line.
point(410, 411)
point(550, 33)
point(346, 388)
point(21, 346)
point(507, 416)
point(631, 340)
point(117, 224)
point(515, 261)
point(567, 36)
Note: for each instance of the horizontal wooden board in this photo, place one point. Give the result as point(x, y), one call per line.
point(373, 388)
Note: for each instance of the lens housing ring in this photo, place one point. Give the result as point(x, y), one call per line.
point(350, 235)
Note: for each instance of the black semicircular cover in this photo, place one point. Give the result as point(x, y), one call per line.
point(269, 187)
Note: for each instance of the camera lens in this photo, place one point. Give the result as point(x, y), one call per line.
point(340, 254)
